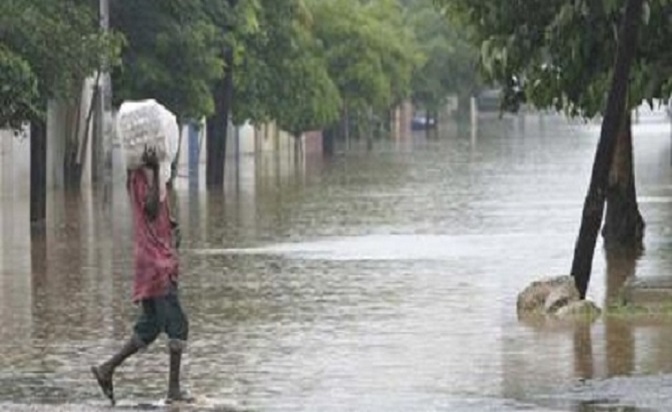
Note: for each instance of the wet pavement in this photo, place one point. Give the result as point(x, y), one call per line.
point(381, 280)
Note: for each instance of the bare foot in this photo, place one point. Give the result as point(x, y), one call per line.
point(105, 383)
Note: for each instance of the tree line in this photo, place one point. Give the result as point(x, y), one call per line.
point(305, 64)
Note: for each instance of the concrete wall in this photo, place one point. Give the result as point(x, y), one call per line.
point(15, 269)
point(270, 138)
point(14, 164)
point(250, 151)
point(401, 122)
point(267, 138)
point(63, 121)
point(246, 139)
point(312, 142)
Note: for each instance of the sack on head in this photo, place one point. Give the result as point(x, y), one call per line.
point(147, 124)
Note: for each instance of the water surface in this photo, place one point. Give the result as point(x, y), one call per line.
point(378, 280)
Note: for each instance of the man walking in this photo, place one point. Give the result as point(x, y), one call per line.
point(155, 286)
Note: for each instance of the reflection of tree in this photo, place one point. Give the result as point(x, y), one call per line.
point(38, 257)
point(620, 342)
point(15, 282)
point(58, 308)
point(621, 264)
point(583, 351)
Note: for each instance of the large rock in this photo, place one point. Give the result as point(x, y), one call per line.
point(555, 297)
point(563, 294)
point(579, 309)
point(534, 298)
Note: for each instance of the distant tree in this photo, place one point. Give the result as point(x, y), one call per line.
point(282, 73)
point(450, 66)
point(371, 53)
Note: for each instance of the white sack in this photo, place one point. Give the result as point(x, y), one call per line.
point(148, 124)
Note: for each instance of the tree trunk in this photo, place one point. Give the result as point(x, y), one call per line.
point(38, 171)
point(216, 134)
point(369, 129)
point(623, 226)
point(593, 208)
point(218, 125)
point(346, 126)
point(72, 170)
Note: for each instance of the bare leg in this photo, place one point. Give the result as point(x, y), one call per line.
point(105, 372)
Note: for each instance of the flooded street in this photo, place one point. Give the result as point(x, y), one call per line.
point(378, 280)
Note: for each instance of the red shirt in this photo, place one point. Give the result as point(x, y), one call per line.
point(156, 263)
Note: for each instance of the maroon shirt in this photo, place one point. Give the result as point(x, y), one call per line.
point(156, 263)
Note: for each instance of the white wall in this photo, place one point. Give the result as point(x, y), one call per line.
point(15, 269)
point(14, 164)
point(246, 143)
point(57, 127)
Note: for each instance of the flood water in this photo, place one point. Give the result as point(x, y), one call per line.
point(377, 280)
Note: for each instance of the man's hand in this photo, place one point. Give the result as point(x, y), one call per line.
point(152, 201)
point(150, 158)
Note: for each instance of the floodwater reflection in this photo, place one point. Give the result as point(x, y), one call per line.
point(380, 280)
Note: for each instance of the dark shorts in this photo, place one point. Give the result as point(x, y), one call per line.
point(162, 314)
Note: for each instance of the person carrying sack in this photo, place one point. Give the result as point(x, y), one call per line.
point(155, 285)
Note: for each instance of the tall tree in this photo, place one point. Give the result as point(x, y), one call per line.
point(614, 119)
point(234, 20)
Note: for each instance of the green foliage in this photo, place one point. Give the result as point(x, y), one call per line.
point(559, 54)
point(18, 89)
point(307, 60)
point(47, 48)
point(450, 65)
point(370, 53)
point(173, 53)
point(309, 98)
point(297, 62)
point(281, 74)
